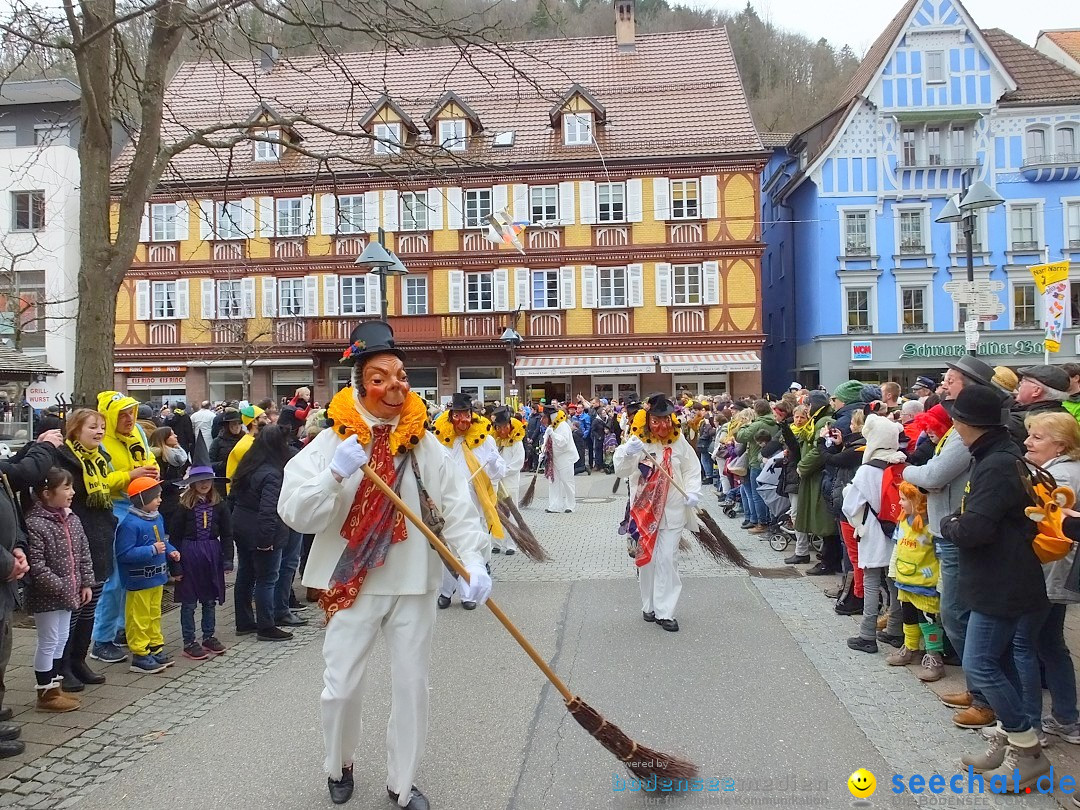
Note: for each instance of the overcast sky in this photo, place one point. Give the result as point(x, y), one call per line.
point(859, 22)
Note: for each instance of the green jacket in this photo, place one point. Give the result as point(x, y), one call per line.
point(813, 515)
point(747, 434)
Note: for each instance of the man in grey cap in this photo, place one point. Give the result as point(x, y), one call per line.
point(1042, 388)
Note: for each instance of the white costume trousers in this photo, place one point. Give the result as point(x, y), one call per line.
point(561, 494)
point(407, 623)
point(659, 580)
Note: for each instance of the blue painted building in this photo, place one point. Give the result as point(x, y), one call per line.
point(860, 266)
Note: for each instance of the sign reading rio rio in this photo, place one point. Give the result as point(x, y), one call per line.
point(1016, 348)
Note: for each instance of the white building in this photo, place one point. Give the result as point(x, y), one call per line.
point(39, 222)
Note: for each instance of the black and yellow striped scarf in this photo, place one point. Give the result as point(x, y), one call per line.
point(95, 474)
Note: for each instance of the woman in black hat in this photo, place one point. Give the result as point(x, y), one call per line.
point(659, 508)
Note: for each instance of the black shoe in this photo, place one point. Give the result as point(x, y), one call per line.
point(443, 602)
point(274, 634)
point(649, 617)
point(6, 714)
point(11, 748)
point(849, 606)
point(670, 625)
point(952, 660)
point(10, 731)
point(246, 631)
point(69, 683)
point(820, 570)
point(891, 640)
point(797, 559)
point(746, 524)
point(292, 620)
point(862, 644)
point(85, 674)
point(469, 605)
point(496, 550)
point(417, 800)
point(510, 552)
point(341, 790)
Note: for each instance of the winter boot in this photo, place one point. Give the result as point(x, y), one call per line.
point(846, 584)
point(933, 665)
point(62, 667)
point(51, 699)
point(1026, 760)
point(849, 604)
point(994, 754)
point(77, 647)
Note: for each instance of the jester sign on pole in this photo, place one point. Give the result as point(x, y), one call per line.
point(1053, 282)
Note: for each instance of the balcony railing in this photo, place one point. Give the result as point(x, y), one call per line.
point(687, 320)
point(414, 242)
point(290, 330)
point(165, 333)
point(613, 321)
point(915, 327)
point(538, 238)
point(860, 329)
point(545, 324)
point(1052, 159)
point(686, 232)
point(1024, 246)
point(162, 252)
point(940, 162)
point(290, 247)
point(349, 245)
point(228, 251)
point(413, 328)
point(476, 242)
point(853, 249)
point(612, 235)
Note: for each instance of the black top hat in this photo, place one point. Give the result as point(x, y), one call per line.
point(974, 369)
point(980, 406)
point(633, 404)
point(659, 405)
point(500, 417)
point(460, 401)
point(549, 410)
point(231, 415)
point(368, 339)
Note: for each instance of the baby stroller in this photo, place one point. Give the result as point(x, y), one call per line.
point(780, 528)
point(731, 503)
point(610, 445)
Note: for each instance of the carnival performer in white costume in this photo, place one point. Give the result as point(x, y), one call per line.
point(509, 436)
point(560, 454)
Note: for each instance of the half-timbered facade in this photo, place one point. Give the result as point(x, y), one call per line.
point(636, 168)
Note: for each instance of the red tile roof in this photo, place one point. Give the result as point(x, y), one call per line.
point(678, 95)
point(1066, 39)
point(1039, 79)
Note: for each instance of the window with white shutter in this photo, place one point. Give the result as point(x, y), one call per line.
point(661, 199)
point(163, 222)
point(266, 216)
point(414, 211)
point(685, 199)
point(231, 220)
point(142, 300)
point(269, 296)
point(350, 214)
point(545, 289)
point(456, 290)
point(480, 292)
point(353, 295)
point(567, 292)
point(611, 202)
point(290, 297)
point(229, 299)
point(612, 285)
point(290, 216)
point(587, 200)
point(327, 214)
point(634, 205)
point(521, 287)
point(435, 209)
point(543, 204)
point(710, 207)
point(390, 210)
point(208, 299)
point(373, 293)
point(588, 286)
point(663, 284)
point(710, 275)
point(477, 207)
point(455, 212)
point(330, 295)
point(311, 296)
point(415, 294)
point(183, 308)
point(686, 284)
point(163, 300)
point(635, 285)
point(502, 290)
point(566, 203)
point(247, 298)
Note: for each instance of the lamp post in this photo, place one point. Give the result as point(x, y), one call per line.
point(513, 339)
point(382, 262)
point(961, 209)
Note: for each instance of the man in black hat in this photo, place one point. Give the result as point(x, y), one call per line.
point(659, 509)
point(1001, 582)
point(374, 566)
point(924, 386)
point(467, 436)
point(559, 451)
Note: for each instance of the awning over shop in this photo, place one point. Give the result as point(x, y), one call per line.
point(598, 364)
point(709, 363)
point(14, 365)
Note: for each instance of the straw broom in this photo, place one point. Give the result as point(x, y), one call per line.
point(717, 544)
point(530, 493)
point(641, 761)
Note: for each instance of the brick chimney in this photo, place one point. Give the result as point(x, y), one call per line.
point(268, 57)
point(624, 26)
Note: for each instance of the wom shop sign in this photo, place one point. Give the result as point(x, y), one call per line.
point(862, 350)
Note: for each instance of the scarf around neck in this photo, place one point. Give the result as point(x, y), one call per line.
point(95, 474)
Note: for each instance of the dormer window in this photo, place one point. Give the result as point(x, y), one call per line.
point(452, 134)
point(387, 139)
point(268, 150)
point(577, 128)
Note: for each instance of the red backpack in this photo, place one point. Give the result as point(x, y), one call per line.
point(890, 512)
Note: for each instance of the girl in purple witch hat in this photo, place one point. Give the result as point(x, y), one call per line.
point(202, 529)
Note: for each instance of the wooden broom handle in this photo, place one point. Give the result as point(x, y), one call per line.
point(660, 467)
point(459, 569)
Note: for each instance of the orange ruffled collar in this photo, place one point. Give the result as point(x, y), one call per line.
point(346, 421)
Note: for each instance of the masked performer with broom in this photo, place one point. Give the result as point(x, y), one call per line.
point(377, 568)
point(660, 511)
point(468, 438)
point(560, 454)
point(509, 437)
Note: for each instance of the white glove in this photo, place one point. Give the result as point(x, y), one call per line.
point(349, 457)
point(635, 446)
point(692, 499)
point(478, 588)
point(486, 455)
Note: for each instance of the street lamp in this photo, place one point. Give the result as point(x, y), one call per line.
point(961, 209)
point(382, 262)
point(513, 339)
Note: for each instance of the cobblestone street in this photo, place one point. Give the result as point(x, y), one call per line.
point(759, 673)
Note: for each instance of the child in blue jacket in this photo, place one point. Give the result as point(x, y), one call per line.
point(141, 551)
